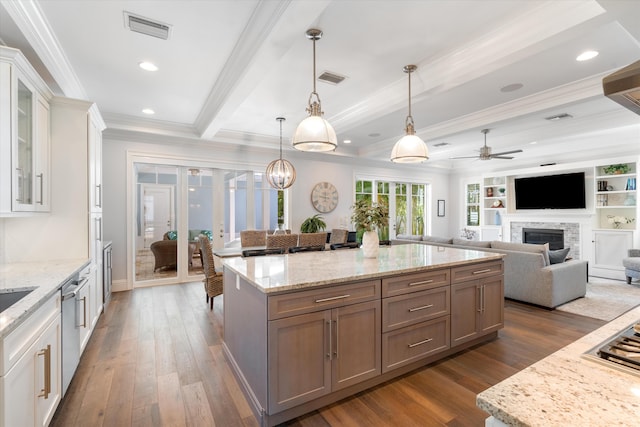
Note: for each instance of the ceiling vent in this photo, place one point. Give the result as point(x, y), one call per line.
point(441, 144)
point(332, 78)
point(559, 117)
point(146, 26)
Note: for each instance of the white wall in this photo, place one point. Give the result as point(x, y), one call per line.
point(311, 168)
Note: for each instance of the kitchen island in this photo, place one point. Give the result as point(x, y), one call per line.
point(304, 330)
point(568, 389)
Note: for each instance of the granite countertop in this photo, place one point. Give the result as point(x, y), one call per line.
point(43, 278)
point(566, 388)
point(277, 273)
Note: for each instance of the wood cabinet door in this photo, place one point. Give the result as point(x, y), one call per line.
point(356, 343)
point(465, 311)
point(48, 382)
point(299, 359)
point(492, 304)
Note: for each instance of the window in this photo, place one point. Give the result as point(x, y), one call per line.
point(472, 208)
point(408, 205)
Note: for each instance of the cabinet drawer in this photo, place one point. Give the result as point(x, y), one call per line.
point(16, 343)
point(409, 344)
point(414, 282)
point(476, 271)
point(320, 299)
point(405, 310)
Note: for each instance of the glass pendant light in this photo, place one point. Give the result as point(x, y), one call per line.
point(410, 148)
point(314, 133)
point(280, 173)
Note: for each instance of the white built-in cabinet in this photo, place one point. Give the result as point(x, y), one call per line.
point(76, 135)
point(25, 169)
point(30, 374)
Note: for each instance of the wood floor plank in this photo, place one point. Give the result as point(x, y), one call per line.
point(170, 401)
point(160, 348)
point(197, 406)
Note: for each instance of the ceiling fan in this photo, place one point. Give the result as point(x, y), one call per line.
point(485, 151)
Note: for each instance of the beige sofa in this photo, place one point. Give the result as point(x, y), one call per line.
point(529, 275)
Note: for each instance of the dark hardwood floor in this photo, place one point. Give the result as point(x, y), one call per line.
point(155, 359)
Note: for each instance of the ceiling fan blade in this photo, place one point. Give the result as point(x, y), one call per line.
point(501, 157)
point(506, 152)
point(465, 157)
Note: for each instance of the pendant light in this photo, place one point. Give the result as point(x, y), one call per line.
point(410, 148)
point(280, 173)
point(314, 133)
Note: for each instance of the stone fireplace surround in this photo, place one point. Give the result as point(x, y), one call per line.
point(571, 233)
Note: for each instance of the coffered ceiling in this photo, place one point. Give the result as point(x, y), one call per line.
point(230, 67)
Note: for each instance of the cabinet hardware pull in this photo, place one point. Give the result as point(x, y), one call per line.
point(486, 270)
point(84, 312)
point(99, 196)
point(423, 282)
point(332, 298)
point(329, 329)
point(41, 177)
point(46, 352)
point(335, 353)
point(420, 342)
point(482, 293)
point(411, 310)
point(479, 303)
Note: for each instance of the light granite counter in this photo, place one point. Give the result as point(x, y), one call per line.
point(566, 389)
point(277, 273)
point(43, 278)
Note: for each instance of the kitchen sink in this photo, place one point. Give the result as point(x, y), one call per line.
point(7, 299)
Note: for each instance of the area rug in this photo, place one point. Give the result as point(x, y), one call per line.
point(605, 299)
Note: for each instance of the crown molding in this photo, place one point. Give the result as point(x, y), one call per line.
point(31, 20)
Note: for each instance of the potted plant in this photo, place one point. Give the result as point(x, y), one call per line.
point(616, 169)
point(368, 216)
point(313, 224)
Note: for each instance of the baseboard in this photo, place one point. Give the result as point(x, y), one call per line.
point(120, 285)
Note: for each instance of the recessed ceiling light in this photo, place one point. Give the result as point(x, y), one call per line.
point(533, 142)
point(587, 55)
point(148, 111)
point(148, 66)
point(512, 87)
point(347, 141)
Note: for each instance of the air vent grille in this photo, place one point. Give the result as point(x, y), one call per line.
point(146, 26)
point(332, 78)
point(559, 117)
point(441, 144)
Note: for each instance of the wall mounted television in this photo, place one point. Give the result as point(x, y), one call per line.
point(563, 191)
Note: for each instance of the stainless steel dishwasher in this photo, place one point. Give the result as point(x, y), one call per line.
point(71, 310)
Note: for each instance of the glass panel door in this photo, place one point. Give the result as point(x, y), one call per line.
point(156, 235)
point(23, 186)
point(473, 205)
point(199, 215)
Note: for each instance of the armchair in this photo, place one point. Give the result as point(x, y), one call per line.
point(631, 265)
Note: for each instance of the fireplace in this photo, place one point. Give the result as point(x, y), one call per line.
point(539, 236)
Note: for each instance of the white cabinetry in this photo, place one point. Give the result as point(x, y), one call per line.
point(615, 219)
point(494, 206)
point(30, 385)
point(25, 173)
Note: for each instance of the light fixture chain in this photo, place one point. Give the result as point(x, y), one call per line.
point(410, 96)
point(314, 66)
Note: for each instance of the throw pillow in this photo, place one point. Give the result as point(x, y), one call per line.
point(558, 256)
point(172, 235)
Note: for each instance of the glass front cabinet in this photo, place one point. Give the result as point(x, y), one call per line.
point(24, 137)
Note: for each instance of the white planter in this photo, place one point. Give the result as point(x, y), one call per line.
point(370, 244)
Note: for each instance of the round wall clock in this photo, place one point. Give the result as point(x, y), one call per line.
point(324, 197)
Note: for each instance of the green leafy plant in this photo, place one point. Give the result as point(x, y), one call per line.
point(367, 216)
point(313, 224)
point(619, 168)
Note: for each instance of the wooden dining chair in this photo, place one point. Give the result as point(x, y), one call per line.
point(213, 284)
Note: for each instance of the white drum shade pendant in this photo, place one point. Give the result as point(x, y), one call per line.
point(410, 148)
point(314, 133)
point(280, 173)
